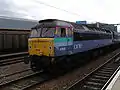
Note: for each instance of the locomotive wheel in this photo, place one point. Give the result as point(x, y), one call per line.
point(100, 52)
point(33, 66)
point(62, 62)
point(95, 54)
point(67, 63)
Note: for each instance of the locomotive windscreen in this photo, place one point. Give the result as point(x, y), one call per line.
point(43, 32)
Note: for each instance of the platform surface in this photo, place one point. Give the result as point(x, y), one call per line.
point(115, 83)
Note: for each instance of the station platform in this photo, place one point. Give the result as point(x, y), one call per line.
point(115, 83)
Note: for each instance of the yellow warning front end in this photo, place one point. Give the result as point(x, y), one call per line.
point(41, 46)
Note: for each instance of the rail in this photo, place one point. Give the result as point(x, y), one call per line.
point(81, 82)
point(25, 81)
point(108, 82)
point(13, 58)
point(13, 54)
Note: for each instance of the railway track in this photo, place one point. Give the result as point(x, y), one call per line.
point(99, 78)
point(4, 79)
point(19, 79)
point(8, 59)
point(29, 80)
point(24, 82)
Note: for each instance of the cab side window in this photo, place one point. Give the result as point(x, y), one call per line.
point(69, 30)
point(63, 32)
point(58, 32)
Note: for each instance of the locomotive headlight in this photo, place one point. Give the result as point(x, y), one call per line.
point(40, 53)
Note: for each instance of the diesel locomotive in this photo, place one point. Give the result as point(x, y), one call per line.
point(53, 40)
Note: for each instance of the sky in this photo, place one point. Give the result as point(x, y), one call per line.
point(105, 11)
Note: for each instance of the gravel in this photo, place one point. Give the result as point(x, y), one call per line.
point(9, 69)
point(68, 79)
point(13, 68)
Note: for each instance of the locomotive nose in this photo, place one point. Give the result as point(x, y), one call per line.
point(41, 46)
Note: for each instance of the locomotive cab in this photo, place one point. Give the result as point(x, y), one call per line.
point(47, 41)
point(63, 41)
point(50, 41)
point(40, 42)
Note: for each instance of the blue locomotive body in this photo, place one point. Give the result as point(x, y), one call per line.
point(85, 39)
point(54, 39)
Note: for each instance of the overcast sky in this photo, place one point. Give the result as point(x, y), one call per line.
point(91, 10)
